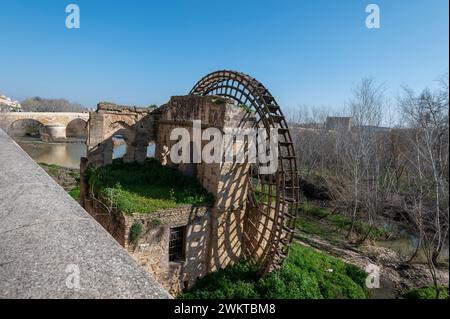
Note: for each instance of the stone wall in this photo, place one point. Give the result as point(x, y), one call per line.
point(135, 124)
point(151, 251)
point(228, 182)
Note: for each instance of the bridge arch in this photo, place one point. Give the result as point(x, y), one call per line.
point(26, 127)
point(76, 128)
point(273, 199)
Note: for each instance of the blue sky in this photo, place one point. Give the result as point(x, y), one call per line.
point(142, 52)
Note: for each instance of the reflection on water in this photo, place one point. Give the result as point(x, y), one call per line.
point(120, 150)
point(62, 154)
point(406, 244)
point(65, 154)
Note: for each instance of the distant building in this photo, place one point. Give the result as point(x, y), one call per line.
point(8, 104)
point(376, 129)
point(338, 123)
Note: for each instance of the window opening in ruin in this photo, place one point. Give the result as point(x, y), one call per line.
point(177, 243)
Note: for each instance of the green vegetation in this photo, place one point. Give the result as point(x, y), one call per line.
point(306, 274)
point(136, 231)
point(319, 221)
point(428, 292)
point(75, 193)
point(51, 169)
point(146, 187)
point(246, 108)
point(219, 101)
point(155, 222)
point(68, 178)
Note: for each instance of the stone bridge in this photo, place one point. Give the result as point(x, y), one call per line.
point(55, 123)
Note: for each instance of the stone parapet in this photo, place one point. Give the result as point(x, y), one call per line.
point(48, 240)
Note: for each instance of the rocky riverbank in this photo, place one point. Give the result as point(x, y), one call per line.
point(396, 277)
point(320, 228)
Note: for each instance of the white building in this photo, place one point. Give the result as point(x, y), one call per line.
point(6, 101)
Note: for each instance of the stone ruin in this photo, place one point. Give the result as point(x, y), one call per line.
point(254, 214)
point(214, 236)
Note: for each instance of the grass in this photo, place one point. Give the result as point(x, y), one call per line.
point(147, 187)
point(428, 292)
point(306, 274)
point(52, 169)
point(75, 192)
point(319, 221)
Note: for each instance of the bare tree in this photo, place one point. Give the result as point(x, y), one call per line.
point(360, 145)
point(425, 195)
point(38, 104)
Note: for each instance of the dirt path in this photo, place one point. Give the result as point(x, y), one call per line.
point(395, 278)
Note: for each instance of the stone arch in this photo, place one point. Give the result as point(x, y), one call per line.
point(76, 128)
point(26, 127)
point(121, 136)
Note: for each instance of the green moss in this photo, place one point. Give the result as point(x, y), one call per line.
point(306, 274)
point(428, 292)
point(147, 187)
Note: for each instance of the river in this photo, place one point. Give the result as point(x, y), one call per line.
point(64, 154)
point(405, 244)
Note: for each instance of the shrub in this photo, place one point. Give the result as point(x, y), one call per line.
point(136, 231)
point(428, 292)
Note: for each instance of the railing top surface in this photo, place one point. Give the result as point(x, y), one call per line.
point(47, 241)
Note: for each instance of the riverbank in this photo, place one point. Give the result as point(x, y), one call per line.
point(318, 228)
point(67, 178)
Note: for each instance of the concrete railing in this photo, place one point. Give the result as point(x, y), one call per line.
point(50, 247)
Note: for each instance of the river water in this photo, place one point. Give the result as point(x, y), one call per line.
point(405, 244)
point(64, 154)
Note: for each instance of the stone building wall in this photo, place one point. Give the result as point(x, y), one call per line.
point(228, 182)
point(214, 236)
point(137, 125)
point(151, 251)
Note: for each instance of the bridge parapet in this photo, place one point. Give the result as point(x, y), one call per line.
point(51, 247)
